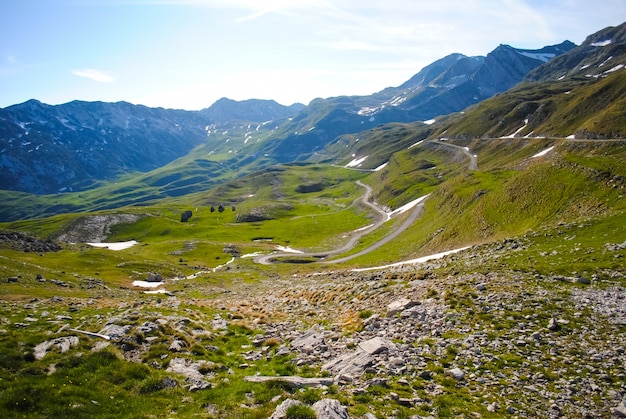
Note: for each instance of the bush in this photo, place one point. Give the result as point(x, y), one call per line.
point(300, 411)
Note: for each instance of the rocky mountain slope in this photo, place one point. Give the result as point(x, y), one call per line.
point(448, 85)
point(47, 149)
point(72, 147)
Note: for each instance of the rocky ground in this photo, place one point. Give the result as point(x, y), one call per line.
point(511, 344)
point(523, 346)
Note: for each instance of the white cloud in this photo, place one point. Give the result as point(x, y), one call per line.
point(93, 74)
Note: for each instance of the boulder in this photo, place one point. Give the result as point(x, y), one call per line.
point(330, 409)
point(312, 338)
point(152, 277)
point(397, 306)
point(456, 373)
point(554, 325)
point(190, 369)
point(376, 345)
point(63, 344)
point(352, 363)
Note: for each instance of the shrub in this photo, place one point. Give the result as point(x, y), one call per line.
point(300, 411)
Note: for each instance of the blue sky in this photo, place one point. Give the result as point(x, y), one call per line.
point(188, 53)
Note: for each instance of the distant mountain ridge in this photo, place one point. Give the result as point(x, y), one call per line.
point(448, 85)
point(71, 147)
point(46, 149)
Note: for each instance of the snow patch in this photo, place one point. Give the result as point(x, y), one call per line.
point(356, 162)
point(605, 61)
point(616, 68)
point(429, 122)
point(287, 249)
point(407, 206)
point(518, 131)
point(157, 292)
point(115, 246)
point(416, 144)
point(602, 43)
point(541, 56)
point(414, 261)
point(146, 284)
point(381, 167)
point(543, 152)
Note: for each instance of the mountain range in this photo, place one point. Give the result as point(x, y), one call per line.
point(70, 147)
point(79, 146)
point(341, 259)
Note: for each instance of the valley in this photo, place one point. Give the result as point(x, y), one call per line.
point(338, 260)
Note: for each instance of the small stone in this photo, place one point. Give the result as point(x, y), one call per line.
point(554, 325)
point(620, 411)
point(456, 373)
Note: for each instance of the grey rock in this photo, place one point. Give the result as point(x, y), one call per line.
point(312, 338)
point(554, 325)
point(195, 380)
point(376, 345)
point(281, 410)
point(177, 346)
point(115, 331)
point(63, 344)
point(352, 363)
point(330, 409)
point(456, 373)
point(620, 411)
point(397, 306)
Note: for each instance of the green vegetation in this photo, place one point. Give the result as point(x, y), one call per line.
point(555, 224)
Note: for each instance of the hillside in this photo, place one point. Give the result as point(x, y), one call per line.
point(470, 266)
point(73, 147)
point(76, 146)
point(533, 301)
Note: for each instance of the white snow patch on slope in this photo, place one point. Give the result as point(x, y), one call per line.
point(404, 208)
point(518, 131)
point(541, 56)
point(602, 43)
point(414, 261)
point(146, 284)
point(115, 246)
point(381, 167)
point(416, 144)
point(543, 152)
point(287, 249)
point(616, 68)
point(356, 162)
point(429, 122)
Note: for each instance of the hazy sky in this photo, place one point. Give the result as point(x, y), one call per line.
point(189, 53)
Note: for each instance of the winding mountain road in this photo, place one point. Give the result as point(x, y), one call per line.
point(381, 217)
point(473, 165)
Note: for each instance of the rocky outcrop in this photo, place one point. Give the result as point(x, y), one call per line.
point(24, 243)
point(94, 228)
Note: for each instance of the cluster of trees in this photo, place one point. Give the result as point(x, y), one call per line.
point(186, 215)
point(221, 208)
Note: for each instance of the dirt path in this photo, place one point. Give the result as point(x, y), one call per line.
point(381, 217)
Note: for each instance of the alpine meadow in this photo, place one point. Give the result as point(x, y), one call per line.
point(454, 247)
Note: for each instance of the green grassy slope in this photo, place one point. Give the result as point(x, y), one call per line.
point(587, 108)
